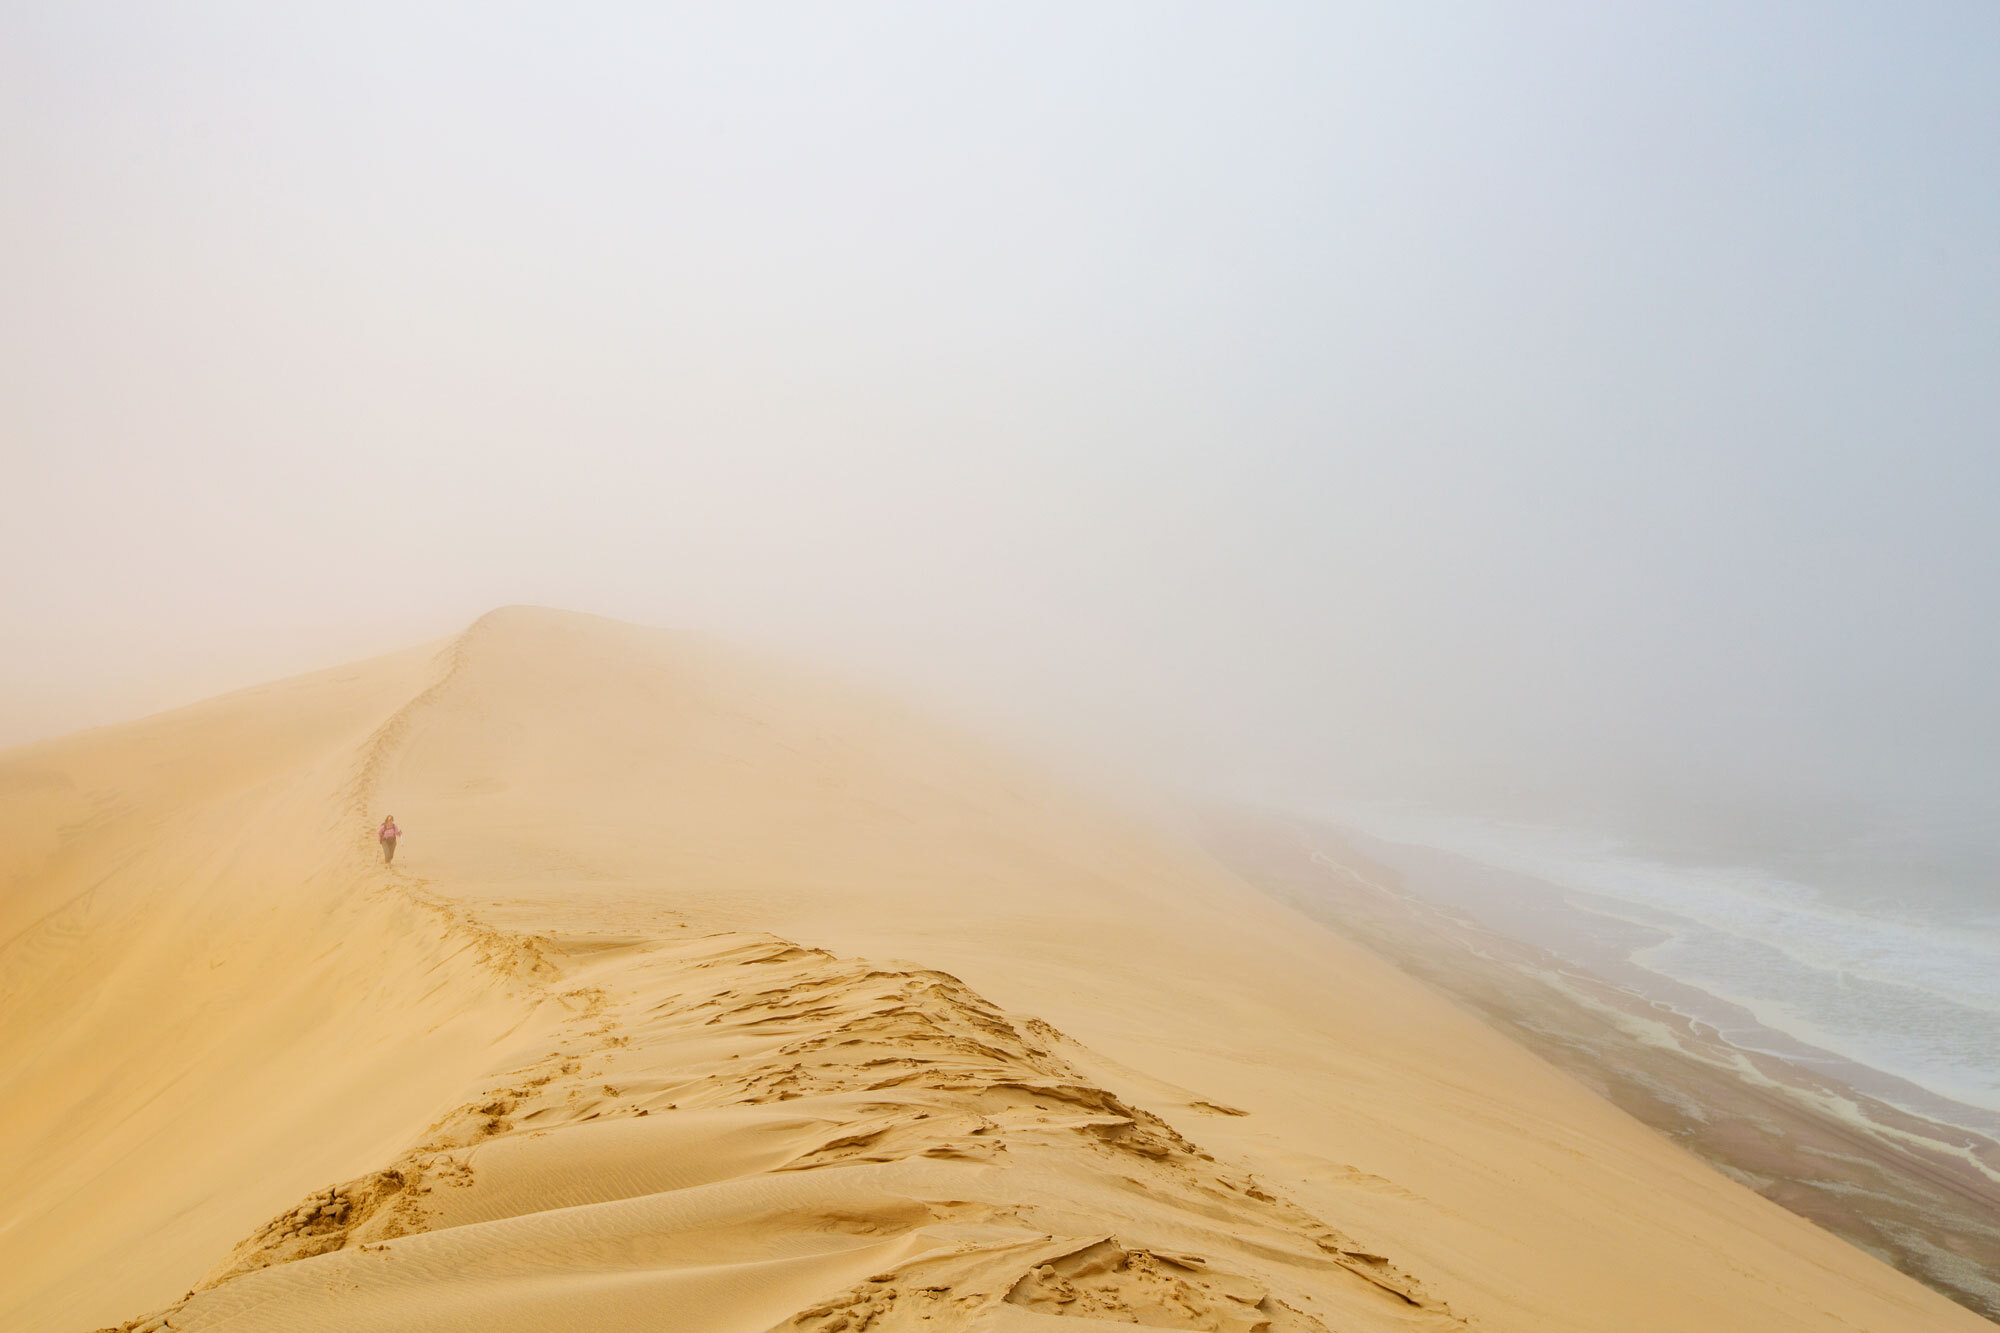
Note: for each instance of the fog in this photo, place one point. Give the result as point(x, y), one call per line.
point(1539, 407)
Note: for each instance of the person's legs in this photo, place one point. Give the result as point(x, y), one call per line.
point(388, 850)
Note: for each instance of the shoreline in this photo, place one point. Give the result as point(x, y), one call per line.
point(1900, 1002)
point(1514, 904)
point(1807, 1129)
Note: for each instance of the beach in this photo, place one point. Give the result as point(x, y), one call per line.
point(1895, 1168)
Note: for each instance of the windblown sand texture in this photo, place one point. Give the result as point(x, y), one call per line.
point(702, 996)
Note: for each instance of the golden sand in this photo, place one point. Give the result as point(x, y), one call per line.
point(703, 995)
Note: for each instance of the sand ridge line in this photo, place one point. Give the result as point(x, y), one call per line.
point(379, 750)
point(714, 1062)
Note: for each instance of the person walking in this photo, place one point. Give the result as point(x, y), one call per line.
point(387, 835)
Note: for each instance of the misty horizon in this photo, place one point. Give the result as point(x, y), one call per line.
point(1553, 413)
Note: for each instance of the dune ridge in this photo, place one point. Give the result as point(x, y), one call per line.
point(732, 1122)
point(631, 1036)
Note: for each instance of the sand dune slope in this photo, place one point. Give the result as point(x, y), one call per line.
point(732, 1132)
point(206, 1009)
point(707, 997)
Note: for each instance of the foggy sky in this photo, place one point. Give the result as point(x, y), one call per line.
point(1484, 402)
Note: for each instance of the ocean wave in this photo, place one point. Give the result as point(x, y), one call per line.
point(1915, 994)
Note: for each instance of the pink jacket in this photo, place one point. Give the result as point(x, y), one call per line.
point(389, 833)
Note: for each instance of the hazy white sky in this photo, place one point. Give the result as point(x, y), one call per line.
point(1499, 399)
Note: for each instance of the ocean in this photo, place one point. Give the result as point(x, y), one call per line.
point(1896, 975)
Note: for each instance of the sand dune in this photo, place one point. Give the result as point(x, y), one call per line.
point(706, 996)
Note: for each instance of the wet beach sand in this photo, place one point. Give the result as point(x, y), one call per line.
point(1920, 1193)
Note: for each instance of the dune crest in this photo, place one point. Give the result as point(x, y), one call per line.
point(629, 1038)
point(739, 1132)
